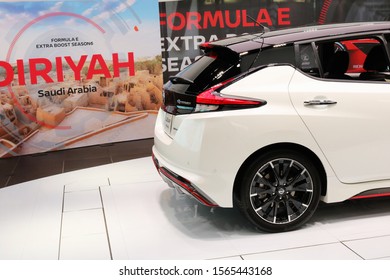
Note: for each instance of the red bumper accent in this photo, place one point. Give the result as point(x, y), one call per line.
point(174, 180)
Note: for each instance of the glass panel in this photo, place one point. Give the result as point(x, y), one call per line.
point(307, 61)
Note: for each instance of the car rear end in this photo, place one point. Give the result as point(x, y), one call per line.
point(219, 111)
point(192, 112)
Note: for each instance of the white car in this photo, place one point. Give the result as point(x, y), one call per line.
point(272, 123)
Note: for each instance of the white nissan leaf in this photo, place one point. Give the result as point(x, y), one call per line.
point(274, 122)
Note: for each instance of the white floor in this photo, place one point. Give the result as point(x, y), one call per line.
point(124, 211)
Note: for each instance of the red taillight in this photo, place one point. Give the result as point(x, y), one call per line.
point(211, 97)
point(212, 100)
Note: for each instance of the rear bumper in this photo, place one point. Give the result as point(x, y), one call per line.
point(182, 185)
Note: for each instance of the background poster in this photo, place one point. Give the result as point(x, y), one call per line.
point(354, 11)
point(77, 73)
point(186, 24)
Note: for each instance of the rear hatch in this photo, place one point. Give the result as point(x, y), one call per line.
point(217, 65)
point(197, 89)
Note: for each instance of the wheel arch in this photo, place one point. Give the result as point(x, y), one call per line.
point(290, 146)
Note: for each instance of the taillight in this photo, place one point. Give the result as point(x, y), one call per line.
point(212, 100)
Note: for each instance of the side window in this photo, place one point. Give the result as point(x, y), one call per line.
point(354, 59)
point(271, 55)
point(275, 54)
point(307, 61)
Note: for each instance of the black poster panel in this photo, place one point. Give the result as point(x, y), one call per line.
point(186, 24)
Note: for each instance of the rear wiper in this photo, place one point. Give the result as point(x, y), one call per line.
point(180, 80)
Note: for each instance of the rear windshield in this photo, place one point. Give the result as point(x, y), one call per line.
point(210, 70)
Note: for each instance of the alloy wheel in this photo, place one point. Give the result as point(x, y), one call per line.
point(281, 191)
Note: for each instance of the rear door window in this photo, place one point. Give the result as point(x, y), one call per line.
point(358, 58)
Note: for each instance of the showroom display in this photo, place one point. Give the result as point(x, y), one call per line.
point(274, 122)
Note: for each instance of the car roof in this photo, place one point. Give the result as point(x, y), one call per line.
point(250, 42)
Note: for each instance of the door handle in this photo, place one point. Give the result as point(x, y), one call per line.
point(319, 102)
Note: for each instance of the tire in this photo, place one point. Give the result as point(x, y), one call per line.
point(279, 191)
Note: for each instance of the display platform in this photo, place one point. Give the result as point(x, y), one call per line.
point(20, 169)
point(124, 211)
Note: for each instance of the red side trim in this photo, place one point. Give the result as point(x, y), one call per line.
point(370, 196)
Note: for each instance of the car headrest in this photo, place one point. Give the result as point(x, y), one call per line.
point(339, 62)
point(375, 60)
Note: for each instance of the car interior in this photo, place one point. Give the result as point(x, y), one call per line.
point(354, 59)
point(375, 65)
point(338, 66)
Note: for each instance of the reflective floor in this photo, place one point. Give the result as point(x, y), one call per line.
point(123, 210)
